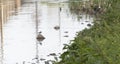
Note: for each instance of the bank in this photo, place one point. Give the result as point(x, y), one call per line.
point(99, 44)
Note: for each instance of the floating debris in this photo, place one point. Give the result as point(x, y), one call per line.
point(34, 58)
point(66, 36)
point(66, 32)
point(42, 59)
point(59, 53)
point(82, 23)
point(52, 54)
point(40, 37)
point(89, 25)
point(57, 27)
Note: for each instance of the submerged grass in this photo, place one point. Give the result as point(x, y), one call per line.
point(98, 45)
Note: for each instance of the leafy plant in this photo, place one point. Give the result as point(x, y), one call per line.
point(99, 44)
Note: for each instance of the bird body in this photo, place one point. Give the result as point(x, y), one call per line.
point(40, 37)
point(57, 27)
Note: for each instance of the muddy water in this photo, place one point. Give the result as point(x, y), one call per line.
point(20, 32)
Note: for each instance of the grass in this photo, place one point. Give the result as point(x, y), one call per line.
point(99, 44)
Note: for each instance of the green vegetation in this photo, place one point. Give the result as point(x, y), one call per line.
point(98, 45)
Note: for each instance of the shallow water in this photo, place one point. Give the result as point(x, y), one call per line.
point(20, 32)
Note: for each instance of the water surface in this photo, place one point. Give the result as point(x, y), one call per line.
point(20, 32)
